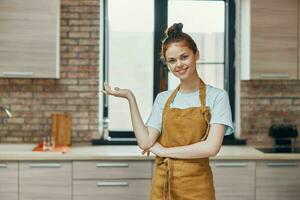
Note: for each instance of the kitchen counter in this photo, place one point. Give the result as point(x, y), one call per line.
point(128, 152)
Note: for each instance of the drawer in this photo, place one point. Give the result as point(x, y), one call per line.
point(112, 189)
point(234, 179)
point(8, 180)
point(111, 169)
point(45, 180)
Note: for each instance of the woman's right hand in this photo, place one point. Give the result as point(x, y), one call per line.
point(117, 92)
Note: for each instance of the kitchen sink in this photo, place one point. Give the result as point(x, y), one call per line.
point(278, 150)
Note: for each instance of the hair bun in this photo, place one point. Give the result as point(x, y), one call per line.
point(175, 29)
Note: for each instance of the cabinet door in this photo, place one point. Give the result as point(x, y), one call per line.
point(111, 169)
point(8, 180)
point(274, 39)
point(269, 33)
point(125, 189)
point(29, 38)
point(45, 180)
point(277, 180)
point(234, 180)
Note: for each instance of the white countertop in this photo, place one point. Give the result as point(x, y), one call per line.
point(128, 152)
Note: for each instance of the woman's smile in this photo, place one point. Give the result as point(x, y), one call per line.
point(182, 71)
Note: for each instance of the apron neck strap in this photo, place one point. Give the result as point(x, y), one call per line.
point(202, 94)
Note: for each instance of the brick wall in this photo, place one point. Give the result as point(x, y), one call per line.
point(32, 101)
point(264, 103)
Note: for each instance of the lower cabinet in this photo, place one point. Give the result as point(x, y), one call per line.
point(234, 180)
point(45, 180)
point(113, 180)
point(278, 180)
point(8, 180)
point(131, 180)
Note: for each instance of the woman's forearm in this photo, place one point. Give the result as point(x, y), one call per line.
point(209, 147)
point(197, 150)
point(139, 128)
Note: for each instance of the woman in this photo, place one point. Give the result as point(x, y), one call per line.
point(181, 130)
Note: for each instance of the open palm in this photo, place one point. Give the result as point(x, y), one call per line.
point(117, 92)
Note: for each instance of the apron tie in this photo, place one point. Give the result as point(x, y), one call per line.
point(167, 182)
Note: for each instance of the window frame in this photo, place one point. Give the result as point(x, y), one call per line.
point(160, 71)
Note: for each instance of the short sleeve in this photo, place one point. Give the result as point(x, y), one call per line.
point(221, 112)
point(155, 117)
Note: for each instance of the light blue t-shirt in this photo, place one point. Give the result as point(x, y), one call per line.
point(216, 99)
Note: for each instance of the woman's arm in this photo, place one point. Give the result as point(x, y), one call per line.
point(203, 149)
point(146, 137)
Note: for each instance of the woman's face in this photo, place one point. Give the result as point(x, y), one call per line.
point(181, 60)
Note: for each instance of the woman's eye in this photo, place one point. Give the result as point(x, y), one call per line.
point(171, 61)
point(184, 57)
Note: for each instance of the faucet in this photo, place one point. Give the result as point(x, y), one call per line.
point(7, 112)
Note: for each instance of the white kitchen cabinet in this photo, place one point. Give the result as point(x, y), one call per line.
point(113, 180)
point(45, 180)
point(29, 38)
point(8, 180)
point(234, 179)
point(278, 180)
point(269, 39)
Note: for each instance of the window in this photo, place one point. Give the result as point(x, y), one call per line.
point(130, 61)
point(132, 41)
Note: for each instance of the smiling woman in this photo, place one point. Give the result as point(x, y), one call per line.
point(186, 125)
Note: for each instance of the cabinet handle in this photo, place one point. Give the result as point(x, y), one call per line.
point(3, 165)
point(99, 165)
point(112, 184)
point(45, 165)
point(17, 74)
point(269, 75)
point(282, 164)
point(231, 164)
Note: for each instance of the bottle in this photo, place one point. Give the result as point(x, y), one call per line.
point(49, 144)
point(44, 143)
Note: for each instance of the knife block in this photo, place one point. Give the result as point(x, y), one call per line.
point(62, 129)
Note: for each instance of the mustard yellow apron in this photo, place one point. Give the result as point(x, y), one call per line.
point(183, 179)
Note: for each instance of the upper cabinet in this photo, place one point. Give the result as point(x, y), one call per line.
point(269, 39)
point(29, 38)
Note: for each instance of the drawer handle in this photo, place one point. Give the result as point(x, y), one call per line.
point(269, 75)
point(282, 164)
point(112, 184)
point(3, 165)
point(45, 165)
point(99, 165)
point(233, 164)
point(18, 74)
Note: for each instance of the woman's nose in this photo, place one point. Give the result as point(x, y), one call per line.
point(178, 63)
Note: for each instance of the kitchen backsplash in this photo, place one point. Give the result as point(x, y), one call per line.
point(32, 101)
point(267, 102)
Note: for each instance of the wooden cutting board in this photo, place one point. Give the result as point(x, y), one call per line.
point(62, 128)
